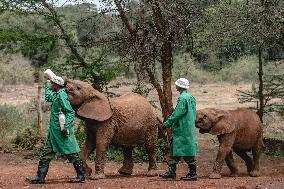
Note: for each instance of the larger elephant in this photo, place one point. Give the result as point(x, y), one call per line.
point(126, 121)
point(237, 130)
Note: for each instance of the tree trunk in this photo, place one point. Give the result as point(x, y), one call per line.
point(165, 92)
point(260, 88)
point(167, 64)
point(39, 112)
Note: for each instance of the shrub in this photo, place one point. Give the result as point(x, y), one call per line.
point(18, 125)
point(143, 90)
point(80, 133)
point(27, 139)
point(244, 70)
point(184, 66)
point(11, 120)
point(16, 70)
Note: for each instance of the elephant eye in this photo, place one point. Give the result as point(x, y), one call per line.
point(79, 88)
point(204, 116)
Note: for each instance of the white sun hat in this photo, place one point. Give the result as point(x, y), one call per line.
point(182, 83)
point(58, 80)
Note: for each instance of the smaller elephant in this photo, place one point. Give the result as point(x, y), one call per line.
point(237, 130)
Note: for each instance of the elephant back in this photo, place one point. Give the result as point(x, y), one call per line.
point(132, 106)
point(134, 117)
point(248, 127)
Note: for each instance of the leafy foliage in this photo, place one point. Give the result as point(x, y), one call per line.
point(26, 140)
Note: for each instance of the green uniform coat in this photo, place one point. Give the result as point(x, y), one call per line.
point(61, 144)
point(183, 122)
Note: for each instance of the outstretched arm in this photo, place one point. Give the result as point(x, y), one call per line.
point(180, 110)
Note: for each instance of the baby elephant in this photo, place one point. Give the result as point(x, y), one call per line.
point(237, 130)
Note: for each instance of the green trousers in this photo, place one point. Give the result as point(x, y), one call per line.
point(48, 154)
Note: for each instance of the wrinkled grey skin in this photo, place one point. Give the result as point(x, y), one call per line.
point(125, 121)
point(237, 130)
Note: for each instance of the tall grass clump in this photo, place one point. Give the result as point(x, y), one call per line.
point(18, 126)
point(241, 71)
point(15, 69)
point(184, 66)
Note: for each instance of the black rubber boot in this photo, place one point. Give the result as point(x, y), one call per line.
point(171, 174)
point(191, 176)
point(80, 170)
point(43, 166)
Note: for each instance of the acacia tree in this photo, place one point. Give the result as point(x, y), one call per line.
point(64, 25)
point(249, 27)
point(149, 33)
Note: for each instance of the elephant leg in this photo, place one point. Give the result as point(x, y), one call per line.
point(104, 136)
point(226, 142)
point(151, 144)
point(128, 164)
point(101, 149)
point(246, 158)
point(256, 150)
point(86, 150)
point(231, 164)
point(88, 147)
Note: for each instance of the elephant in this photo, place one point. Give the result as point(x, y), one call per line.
point(126, 121)
point(238, 130)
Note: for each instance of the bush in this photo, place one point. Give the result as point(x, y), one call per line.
point(26, 140)
point(184, 66)
point(142, 90)
point(244, 70)
point(80, 133)
point(15, 70)
point(18, 125)
point(11, 120)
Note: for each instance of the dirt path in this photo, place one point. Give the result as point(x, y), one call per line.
point(14, 169)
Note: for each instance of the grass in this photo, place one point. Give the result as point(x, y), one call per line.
point(273, 135)
point(244, 70)
point(15, 69)
point(18, 126)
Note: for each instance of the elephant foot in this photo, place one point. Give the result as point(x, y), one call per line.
point(88, 171)
point(99, 176)
point(234, 174)
point(125, 171)
point(254, 173)
point(152, 173)
point(215, 176)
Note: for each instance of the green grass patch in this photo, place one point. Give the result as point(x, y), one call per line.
point(278, 153)
point(18, 126)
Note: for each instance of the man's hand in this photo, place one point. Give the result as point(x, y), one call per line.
point(64, 132)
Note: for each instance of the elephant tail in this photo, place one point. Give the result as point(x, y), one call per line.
point(162, 131)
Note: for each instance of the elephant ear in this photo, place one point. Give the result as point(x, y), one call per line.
point(224, 124)
point(97, 108)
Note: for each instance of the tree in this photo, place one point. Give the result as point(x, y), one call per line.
point(248, 27)
point(148, 34)
point(62, 27)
